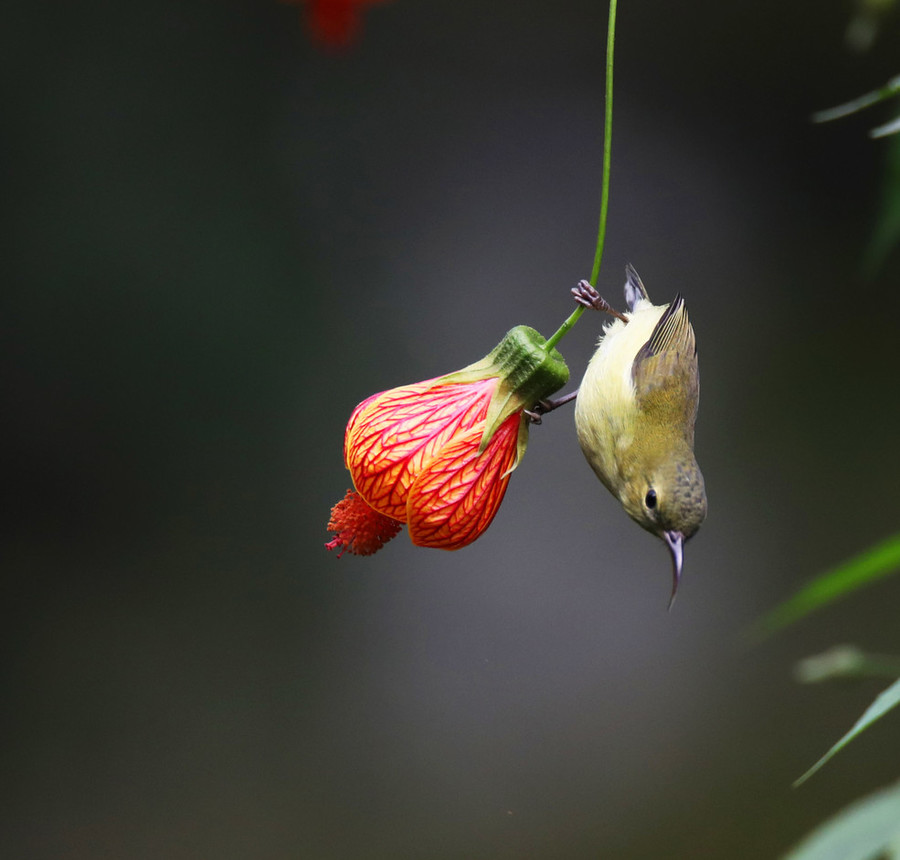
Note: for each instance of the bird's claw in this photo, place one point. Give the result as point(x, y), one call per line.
point(542, 407)
point(586, 296)
point(537, 412)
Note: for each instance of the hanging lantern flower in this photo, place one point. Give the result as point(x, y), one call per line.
point(437, 455)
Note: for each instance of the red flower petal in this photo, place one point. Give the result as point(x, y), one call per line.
point(455, 497)
point(393, 436)
point(359, 529)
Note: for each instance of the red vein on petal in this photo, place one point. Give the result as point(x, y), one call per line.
point(394, 435)
point(456, 497)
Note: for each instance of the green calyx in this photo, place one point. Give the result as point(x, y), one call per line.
point(527, 372)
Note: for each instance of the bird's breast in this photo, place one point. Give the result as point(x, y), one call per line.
point(606, 407)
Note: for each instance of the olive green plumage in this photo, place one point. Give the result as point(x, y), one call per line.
point(635, 415)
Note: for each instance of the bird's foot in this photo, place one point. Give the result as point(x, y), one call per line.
point(586, 296)
point(542, 407)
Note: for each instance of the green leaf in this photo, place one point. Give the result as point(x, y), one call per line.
point(862, 831)
point(886, 233)
point(885, 701)
point(846, 661)
point(891, 88)
point(891, 127)
point(876, 563)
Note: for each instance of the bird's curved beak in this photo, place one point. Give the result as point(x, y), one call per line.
point(675, 542)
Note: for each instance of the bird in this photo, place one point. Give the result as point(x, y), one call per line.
point(635, 412)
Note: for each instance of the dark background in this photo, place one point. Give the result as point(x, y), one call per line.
point(219, 238)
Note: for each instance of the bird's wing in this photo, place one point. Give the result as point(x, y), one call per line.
point(668, 360)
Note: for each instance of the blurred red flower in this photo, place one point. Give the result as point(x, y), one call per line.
point(335, 23)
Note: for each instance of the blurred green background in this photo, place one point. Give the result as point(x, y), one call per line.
point(220, 238)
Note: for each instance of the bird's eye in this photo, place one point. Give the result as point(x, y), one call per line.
point(650, 499)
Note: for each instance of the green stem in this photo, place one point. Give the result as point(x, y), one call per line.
point(563, 330)
point(607, 141)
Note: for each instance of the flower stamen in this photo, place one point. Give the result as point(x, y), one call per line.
point(358, 528)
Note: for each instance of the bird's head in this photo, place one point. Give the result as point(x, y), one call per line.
point(669, 500)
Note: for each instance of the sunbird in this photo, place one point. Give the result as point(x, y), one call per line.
point(635, 412)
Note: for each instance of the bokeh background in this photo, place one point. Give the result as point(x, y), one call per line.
point(220, 237)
